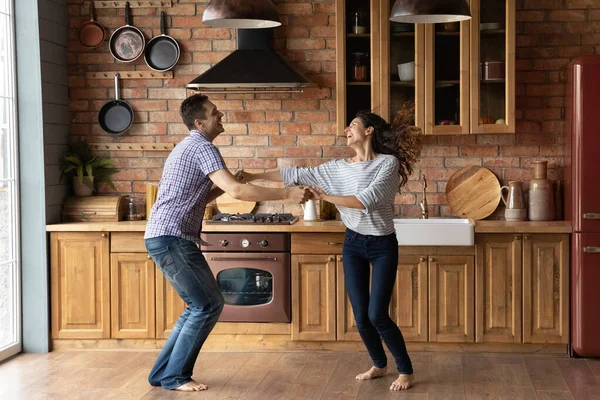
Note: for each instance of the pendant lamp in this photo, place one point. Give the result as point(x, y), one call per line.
point(430, 11)
point(244, 14)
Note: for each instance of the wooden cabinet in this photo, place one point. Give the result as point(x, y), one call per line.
point(80, 278)
point(546, 288)
point(451, 298)
point(132, 296)
point(464, 73)
point(313, 297)
point(498, 288)
point(169, 307)
point(522, 288)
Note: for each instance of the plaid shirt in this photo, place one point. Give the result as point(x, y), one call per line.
point(183, 189)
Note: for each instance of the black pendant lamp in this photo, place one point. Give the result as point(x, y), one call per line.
point(244, 14)
point(430, 11)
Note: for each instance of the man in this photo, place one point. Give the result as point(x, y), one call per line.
point(173, 232)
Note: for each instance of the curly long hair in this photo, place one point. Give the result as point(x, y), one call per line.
point(400, 139)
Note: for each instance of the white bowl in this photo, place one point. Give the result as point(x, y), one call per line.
point(435, 232)
point(406, 71)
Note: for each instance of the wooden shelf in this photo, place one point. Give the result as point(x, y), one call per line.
point(493, 81)
point(358, 83)
point(402, 83)
point(493, 32)
point(130, 75)
point(450, 82)
point(133, 146)
point(358, 35)
point(132, 4)
point(457, 33)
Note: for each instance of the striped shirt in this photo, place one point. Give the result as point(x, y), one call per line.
point(183, 189)
point(374, 183)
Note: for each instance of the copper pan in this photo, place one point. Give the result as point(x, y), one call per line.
point(92, 33)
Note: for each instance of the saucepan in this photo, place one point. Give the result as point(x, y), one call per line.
point(92, 33)
point(116, 116)
point(127, 42)
point(162, 52)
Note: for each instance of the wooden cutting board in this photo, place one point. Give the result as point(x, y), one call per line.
point(473, 192)
point(229, 205)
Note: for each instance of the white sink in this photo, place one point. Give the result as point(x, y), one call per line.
point(435, 232)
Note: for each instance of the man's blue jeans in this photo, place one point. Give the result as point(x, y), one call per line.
point(184, 266)
point(371, 309)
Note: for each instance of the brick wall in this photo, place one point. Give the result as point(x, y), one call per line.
point(280, 130)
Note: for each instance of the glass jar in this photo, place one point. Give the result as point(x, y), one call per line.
point(360, 72)
point(136, 208)
point(359, 22)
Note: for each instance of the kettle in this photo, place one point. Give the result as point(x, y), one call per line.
point(310, 210)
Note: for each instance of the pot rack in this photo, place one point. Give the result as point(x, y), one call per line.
point(132, 4)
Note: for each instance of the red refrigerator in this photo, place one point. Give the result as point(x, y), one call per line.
point(582, 201)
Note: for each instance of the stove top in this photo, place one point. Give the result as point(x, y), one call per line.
point(261, 219)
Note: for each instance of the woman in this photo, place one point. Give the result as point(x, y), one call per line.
point(363, 189)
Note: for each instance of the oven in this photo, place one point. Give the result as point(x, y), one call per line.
point(253, 271)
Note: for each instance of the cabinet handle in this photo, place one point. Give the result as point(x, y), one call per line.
point(433, 259)
point(330, 259)
point(526, 237)
point(340, 258)
point(591, 216)
point(423, 259)
point(335, 243)
point(103, 235)
point(517, 237)
point(149, 257)
point(589, 249)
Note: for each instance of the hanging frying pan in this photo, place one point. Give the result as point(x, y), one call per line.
point(92, 33)
point(162, 52)
point(116, 116)
point(127, 42)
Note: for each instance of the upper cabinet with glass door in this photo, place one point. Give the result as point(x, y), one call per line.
point(493, 66)
point(357, 53)
point(402, 67)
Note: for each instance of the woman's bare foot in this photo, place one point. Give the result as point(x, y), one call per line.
point(373, 373)
point(403, 382)
point(192, 386)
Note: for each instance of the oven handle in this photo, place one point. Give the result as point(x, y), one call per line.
point(243, 259)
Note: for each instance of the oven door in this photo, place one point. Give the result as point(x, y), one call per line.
point(256, 286)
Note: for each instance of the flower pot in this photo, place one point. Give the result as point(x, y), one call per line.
point(83, 189)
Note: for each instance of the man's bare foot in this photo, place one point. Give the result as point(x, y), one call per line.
point(373, 373)
point(192, 386)
point(403, 382)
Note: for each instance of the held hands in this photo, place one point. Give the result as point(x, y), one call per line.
point(317, 193)
point(241, 176)
point(299, 194)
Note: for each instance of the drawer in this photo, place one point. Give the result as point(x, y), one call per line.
point(127, 242)
point(317, 243)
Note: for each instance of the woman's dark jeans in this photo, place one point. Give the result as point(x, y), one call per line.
point(371, 310)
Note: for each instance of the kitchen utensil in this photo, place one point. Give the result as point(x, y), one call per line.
point(486, 119)
point(136, 208)
point(515, 214)
point(151, 193)
point(493, 70)
point(92, 33)
point(358, 22)
point(541, 194)
point(162, 52)
point(127, 43)
point(229, 205)
point(406, 71)
point(360, 73)
point(473, 192)
point(116, 116)
point(310, 211)
point(514, 198)
point(486, 26)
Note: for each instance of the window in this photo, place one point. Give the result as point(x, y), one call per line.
point(10, 320)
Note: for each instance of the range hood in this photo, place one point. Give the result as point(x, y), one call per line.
point(254, 64)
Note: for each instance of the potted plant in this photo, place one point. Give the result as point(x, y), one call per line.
point(88, 168)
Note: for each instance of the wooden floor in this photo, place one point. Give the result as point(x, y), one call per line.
point(300, 375)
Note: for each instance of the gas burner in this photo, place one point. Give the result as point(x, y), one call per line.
point(274, 219)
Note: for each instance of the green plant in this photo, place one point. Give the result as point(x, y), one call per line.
point(80, 158)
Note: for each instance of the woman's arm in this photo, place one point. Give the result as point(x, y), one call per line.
point(344, 201)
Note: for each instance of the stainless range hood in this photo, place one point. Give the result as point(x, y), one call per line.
point(254, 64)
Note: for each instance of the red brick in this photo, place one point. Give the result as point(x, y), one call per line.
point(269, 152)
point(300, 105)
point(543, 4)
point(593, 39)
point(530, 16)
point(148, 105)
point(263, 105)
point(520, 151)
point(582, 3)
point(574, 51)
point(308, 20)
point(258, 163)
point(470, 151)
point(295, 8)
point(295, 129)
point(131, 175)
point(264, 129)
point(223, 105)
point(223, 140)
point(145, 163)
point(542, 114)
point(320, 140)
point(545, 90)
point(283, 141)
point(241, 152)
point(556, 77)
point(303, 152)
point(338, 152)
point(501, 162)
point(560, 40)
point(280, 116)
point(322, 31)
point(79, 105)
point(496, 139)
point(210, 33)
point(578, 27)
point(535, 138)
point(169, 116)
point(452, 140)
point(305, 44)
point(542, 27)
point(527, 40)
point(528, 126)
point(553, 126)
point(314, 93)
point(236, 129)
point(594, 15)
point(209, 56)
point(551, 64)
point(288, 32)
point(313, 116)
point(148, 129)
point(245, 116)
point(257, 141)
point(324, 8)
point(535, 52)
point(567, 15)
point(223, 45)
point(94, 58)
point(440, 151)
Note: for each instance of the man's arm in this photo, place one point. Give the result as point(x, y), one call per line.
point(274, 176)
point(242, 191)
point(216, 191)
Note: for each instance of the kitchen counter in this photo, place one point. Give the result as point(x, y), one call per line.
point(306, 226)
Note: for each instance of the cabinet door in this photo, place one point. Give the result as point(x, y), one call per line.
point(545, 288)
point(80, 270)
point(408, 307)
point(402, 66)
point(447, 79)
point(132, 296)
point(498, 288)
point(346, 324)
point(451, 300)
point(169, 306)
point(493, 66)
point(313, 297)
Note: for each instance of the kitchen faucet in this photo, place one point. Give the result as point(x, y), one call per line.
point(423, 203)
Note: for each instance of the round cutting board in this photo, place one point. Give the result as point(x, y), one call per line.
point(473, 192)
point(229, 205)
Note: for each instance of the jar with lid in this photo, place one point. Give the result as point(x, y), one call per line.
point(136, 210)
point(359, 24)
point(360, 72)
